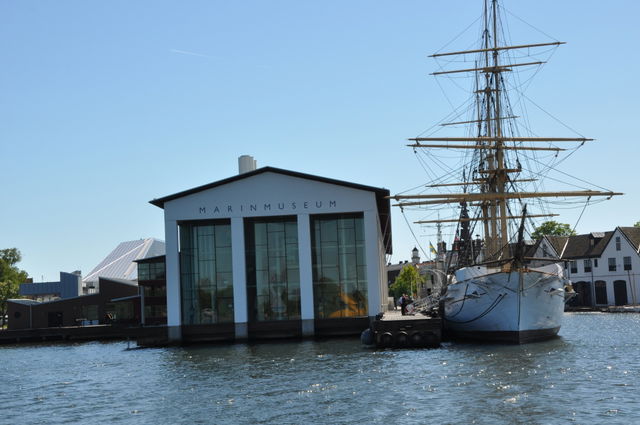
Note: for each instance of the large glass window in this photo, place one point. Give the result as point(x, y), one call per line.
point(206, 279)
point(339, 266)
point(273, 273)
point(587, 265)
point(612, 264)
point(627, 263)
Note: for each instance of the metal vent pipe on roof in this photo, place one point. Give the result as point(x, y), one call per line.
point(246, 163)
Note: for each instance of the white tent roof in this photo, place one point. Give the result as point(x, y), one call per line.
point(119, 264)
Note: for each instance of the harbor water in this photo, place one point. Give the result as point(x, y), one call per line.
point(589, 375)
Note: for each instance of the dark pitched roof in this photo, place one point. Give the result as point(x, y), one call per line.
point(586, 246)
point(633, 235)
point(383, 203)
point(558, 243)
point(530, 247)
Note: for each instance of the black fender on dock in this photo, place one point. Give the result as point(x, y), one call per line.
point(386, 339)
point(431, 339)
point(367, 337)
point(402, 339)
point(417, 339)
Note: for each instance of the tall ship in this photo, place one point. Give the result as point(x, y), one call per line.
point(499, 286)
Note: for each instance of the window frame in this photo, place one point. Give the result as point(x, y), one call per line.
point(574, 266)
point(626, 263)
point(206, 272)
point(339, 264)
point(272, 268)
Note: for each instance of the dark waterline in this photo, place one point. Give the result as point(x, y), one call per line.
point(589, 375)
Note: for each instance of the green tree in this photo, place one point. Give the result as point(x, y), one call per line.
point(637, 224)
point(407, 281)
point(552, 228)
point(10, 278)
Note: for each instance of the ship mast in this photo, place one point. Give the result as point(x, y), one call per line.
point(492, 240)
point(490, 175)
point(501, 176)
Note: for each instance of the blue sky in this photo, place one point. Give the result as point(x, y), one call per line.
point(107, 105)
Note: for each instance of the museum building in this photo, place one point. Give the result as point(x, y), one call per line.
point(274, 253)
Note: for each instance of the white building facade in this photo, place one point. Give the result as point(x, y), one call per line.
point(274, 252)
point(605, 267)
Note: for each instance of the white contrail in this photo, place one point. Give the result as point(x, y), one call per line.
point(186, 52)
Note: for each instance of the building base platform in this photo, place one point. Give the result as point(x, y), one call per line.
point(83, 333)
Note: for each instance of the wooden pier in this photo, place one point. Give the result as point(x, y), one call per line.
point(398, 331)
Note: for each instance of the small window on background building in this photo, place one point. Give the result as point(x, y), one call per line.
point(143, 271)
point(612, 264)
point(618, 243)
point(587, 266)
point(90, 312)
point(574, 267)
point(595, 262)
point(627, 263)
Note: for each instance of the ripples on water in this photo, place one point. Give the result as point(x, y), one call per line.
point(588, 375)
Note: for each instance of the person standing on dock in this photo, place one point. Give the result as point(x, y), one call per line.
point(403, 304)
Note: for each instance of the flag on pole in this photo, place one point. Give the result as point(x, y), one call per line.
point(432, 249)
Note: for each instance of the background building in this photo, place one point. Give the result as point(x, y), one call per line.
point(115, 301)
point(74, 301)
point(70, 285)
point(153, 290)
point(603, 267)
point(121, 262)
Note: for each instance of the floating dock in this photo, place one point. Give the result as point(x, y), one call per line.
point(393, 330)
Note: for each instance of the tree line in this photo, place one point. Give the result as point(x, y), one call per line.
point(10, 279)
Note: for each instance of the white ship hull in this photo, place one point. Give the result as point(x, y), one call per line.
point(521, 306)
